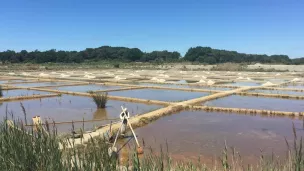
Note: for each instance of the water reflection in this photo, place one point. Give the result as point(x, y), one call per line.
point(100, 114)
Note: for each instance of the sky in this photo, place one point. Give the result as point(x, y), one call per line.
point(247, 26)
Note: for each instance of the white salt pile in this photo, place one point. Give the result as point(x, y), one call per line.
point(295, 79)
point(64, 75)
point(25, 74)
point(202, 81)
point(43, 74)
point(164, 75)
point(11, 73)
point(160, 72)
point(240, 78)
point(210, 82)
point(119, 78)
point(268, 84)
point(89, 76)
point(134, 75)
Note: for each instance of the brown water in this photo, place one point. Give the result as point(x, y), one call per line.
point(190, 134)
point(68, 108)
point(162, 95)
point(85, 88)
point(262, 103)
point(11, 93)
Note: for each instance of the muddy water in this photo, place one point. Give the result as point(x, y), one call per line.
point(184, 86)
point(39, 84)
point(11, 93)
point(191, 134)
point(263, 103)
point(162, 95)
point(85, 88)
point(68, 108)
point(294, 93)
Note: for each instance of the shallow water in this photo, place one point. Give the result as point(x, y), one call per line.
point(294, 93)
point(262, 103)
point(68, 108)
point(190, 134)
point(184, 86)
point(157, 94)
point(11, 93)
point(244, 84)
point(39, 84)
point(85, 88)
point(10, 81)
point(297, 86)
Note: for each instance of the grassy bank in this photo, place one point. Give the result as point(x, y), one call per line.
point(24, 149)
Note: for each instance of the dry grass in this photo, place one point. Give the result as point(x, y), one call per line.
point(100, 99)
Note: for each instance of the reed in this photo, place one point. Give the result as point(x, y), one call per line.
point(1, 93)
point(24, 149)
point(100, 99)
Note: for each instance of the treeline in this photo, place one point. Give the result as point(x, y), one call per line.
point(198, 54)
point(214, 56)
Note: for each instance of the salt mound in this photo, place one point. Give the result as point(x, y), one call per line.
point(161, 80)
point(109, 74)
point(202, 81)
point(183, 72)
point(64, 75)
point(160, 72)
point(278, 74)
point(154, 79)
point(89, 76)
point(53, 73)
point(268, 84)
point(239, 73)
point(158, 80)
point(119, 78)
point(43, 74)
point(203, 77)
point(295, 79)
point(25, 74)
point(11, 73)
point(134, 75)
point(195, 76)
point(164, 75)
point(240, 78)
point(210, 82)
point(248, 78)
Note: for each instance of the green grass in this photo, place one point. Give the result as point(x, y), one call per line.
point(24, 149)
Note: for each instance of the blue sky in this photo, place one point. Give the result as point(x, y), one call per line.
point(249, 26)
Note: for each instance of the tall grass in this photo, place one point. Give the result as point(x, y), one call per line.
point(24, 149)
point(1, 91)
point(100, 99)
